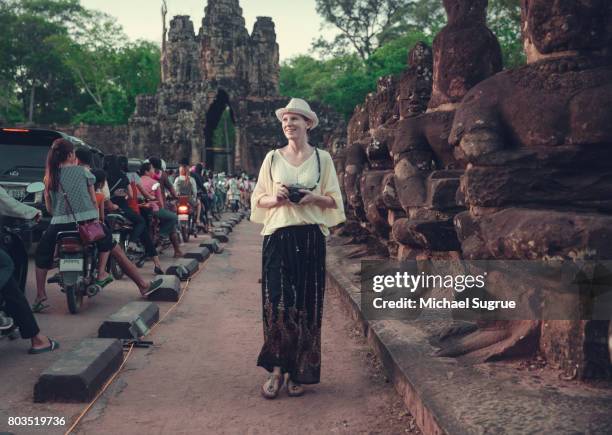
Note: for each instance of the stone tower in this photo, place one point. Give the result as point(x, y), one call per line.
point(220, 68)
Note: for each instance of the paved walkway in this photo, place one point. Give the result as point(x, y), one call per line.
point(201, 378)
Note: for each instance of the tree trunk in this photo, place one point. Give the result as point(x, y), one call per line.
point(31, 109)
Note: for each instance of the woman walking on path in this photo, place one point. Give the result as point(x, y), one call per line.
point(297, 198)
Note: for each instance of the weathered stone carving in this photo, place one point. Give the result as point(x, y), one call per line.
point(538, 140)
point(464, 53)
point(367, 173)
point(202, 75)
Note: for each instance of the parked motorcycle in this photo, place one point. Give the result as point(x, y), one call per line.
point(78, 269)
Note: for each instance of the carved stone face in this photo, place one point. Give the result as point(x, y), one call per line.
point(415, 84)
point(560, 25)
point(466, 10)
point(420, 56)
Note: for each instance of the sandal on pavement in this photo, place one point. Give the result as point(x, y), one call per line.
point(272, 386)
point(154, 285)
point(294, 389)
point(53, 345)
point(106, 281)
point(39, 305)
point(158, 271)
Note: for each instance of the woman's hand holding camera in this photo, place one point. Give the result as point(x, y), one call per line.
point(282, 195)
point(308, 198)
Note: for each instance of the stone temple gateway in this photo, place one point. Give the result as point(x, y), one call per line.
point(221, 67)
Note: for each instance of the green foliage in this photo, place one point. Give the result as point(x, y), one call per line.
point(504, 19)
point(351, 63)
point(73, 66)
point(342, 82)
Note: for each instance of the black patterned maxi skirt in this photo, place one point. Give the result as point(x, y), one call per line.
point(293, 286)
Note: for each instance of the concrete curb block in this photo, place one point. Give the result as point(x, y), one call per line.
point(129, 320)
point(201, 254)
point(220, 236)
point(78, 375)
point(212, 245)
point(184, 268)
point(170, 290)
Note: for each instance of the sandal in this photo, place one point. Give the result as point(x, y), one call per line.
point(39, 305)
point(272, 386)
point(153, 286)
point(294, 389)
point(158, 271)
point(53, 345)
point(106, 281)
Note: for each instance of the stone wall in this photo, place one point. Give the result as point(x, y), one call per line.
point(111, 139)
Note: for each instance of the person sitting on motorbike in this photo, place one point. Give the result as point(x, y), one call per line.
point(185, 185)
point(83, 157)
point(16, 304)
point(145, 237)
point(120, 192)
point(69, 196)
point(167, 219)
point(159, 174)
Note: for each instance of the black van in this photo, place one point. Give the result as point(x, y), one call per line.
point(23, 154)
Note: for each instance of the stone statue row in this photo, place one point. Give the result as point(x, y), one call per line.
point(459, 159)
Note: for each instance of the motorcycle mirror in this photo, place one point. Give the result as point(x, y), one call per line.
point(35, 187)
point(155, 187)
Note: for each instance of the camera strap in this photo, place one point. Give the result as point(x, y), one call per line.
point(318, 165)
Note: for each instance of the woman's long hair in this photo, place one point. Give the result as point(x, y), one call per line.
point(113, 169)
point(58, 154)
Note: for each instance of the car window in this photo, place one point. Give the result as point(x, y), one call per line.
point(24, 154)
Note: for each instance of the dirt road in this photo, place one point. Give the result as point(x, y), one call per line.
point(201, 377)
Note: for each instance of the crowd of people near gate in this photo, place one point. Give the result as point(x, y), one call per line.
point(147, 199)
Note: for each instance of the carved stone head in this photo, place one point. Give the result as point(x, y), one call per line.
point(415, 83)
point(559, 25)
point(459, 11)
point(465, 52)
point(420, 56)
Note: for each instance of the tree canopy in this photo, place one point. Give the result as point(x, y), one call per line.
point(63, 63)
point(350, 64)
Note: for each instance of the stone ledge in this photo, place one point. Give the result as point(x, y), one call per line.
point(448, 396)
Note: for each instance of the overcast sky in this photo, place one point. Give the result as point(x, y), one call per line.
point(297, 22)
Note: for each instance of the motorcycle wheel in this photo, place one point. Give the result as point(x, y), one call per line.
point(74, 299)
point(115, 269)
point(610, 340)
point(185, 233)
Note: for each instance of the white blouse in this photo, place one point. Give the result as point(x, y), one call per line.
point(284, 173)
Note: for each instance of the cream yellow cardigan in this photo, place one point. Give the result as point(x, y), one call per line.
point(306, 174)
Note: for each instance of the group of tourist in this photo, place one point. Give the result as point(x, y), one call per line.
point(75, 191)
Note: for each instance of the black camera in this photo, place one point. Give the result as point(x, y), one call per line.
point(295, 195)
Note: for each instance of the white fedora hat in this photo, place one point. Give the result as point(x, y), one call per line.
point(301, 107)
